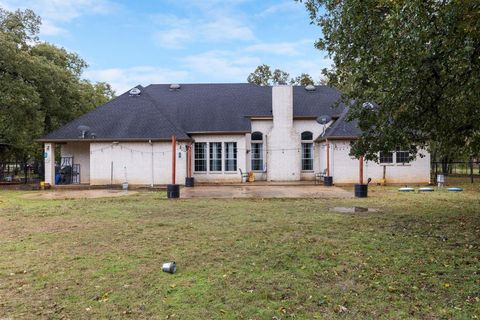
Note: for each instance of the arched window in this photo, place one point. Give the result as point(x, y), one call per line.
point(307, 135)
point(256, 154)
point(257, 136)
point(307, 151)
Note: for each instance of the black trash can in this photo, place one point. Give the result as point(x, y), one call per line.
point(328, 181)
point(361, 190)
point(189, 182)
point(173, 191)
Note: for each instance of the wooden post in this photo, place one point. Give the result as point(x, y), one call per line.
point(361, 170)
point(471, 170)
point(174, 158)
point(189, 161)
point(328, 158)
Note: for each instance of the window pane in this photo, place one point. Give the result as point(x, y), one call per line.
point(403, 156)
point(386, 157)
point(215, 156)
point(200, 162)
point(230, 156)
point(257, 156)
point(307, 156)
point(307, 135)
point(257, 136)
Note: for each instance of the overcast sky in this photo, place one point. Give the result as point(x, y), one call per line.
point(127, 43)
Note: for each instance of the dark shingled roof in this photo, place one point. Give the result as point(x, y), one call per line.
point(159, 112)
point(342, 129)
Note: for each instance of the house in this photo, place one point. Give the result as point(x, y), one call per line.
point(220, 129)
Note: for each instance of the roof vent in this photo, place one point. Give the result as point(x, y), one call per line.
point(310, 87)
point(174, 87)
point(324, 119)
point(83, 131)
point(134, 92)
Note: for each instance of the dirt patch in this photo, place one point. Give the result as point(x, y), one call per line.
point(77, 194)
point(301, 191)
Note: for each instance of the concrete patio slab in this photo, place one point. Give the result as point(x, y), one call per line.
point(265, 191)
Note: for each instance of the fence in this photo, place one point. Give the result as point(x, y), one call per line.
point(456, 168)
point(20, 172)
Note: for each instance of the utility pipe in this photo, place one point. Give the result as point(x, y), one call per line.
point(174, 158)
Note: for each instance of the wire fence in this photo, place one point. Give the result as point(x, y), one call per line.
point(469, 169)
point(17, 172)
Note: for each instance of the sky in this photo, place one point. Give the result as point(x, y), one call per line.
point(127, 43)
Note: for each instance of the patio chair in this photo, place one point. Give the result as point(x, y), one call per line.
point(319, 176)
point(243, 175)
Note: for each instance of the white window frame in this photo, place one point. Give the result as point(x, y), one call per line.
point(212, 156)
point(204, 159)
point(235, 156)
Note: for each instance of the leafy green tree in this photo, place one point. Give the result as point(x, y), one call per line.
point(418, 60)
point(280, 77)
point(302, 80)
point(40, 85)
point(263, 76)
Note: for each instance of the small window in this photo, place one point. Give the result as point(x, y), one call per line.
point(257, 136)
point(257, 156)
point(386, 157)
point(230, 156)
point(307, 135)
point(307, 156)
point(200, 162)
point(402, 156)
point(215, 156)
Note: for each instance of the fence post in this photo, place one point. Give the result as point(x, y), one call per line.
point(471, 170)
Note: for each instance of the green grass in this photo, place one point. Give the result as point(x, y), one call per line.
point(241, 259)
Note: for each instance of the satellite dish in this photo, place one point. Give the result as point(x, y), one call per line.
point(83, 130)
point(324, 119)
point(135, 92)
point(174, 86)
point(310, 87)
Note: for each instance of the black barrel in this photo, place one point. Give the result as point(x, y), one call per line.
point(189, 182)
point(328, 181)
point(173, 191)
point(361, 190)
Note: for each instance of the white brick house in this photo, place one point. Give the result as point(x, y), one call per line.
point(272, 131)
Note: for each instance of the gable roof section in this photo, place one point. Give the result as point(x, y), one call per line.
point(341, 129)
point(123, 118)
point(159, 112)
point(213, 107)
point(322, 101)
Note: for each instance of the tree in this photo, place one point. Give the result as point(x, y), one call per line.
point(280, 77)
point(263, 76)
point(40, 84)
point(418, 61)
point(303, 80)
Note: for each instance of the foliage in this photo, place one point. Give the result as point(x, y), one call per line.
point(240, 258)
point(418, 60)
point(40, 84)
point(302, 80)
point(263, 76)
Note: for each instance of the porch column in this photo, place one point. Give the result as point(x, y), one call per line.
point(49, 156)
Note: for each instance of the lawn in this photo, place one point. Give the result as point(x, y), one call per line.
point(241, 259)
